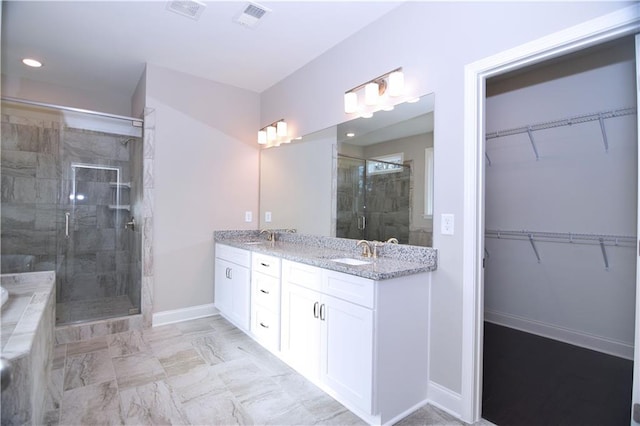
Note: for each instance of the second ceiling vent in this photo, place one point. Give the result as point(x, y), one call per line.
point(189, 8)
point(251, 15)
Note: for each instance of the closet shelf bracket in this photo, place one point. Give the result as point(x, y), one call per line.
point(533, 246)
point(604, 132)
point(533, 144)
point(604, 254)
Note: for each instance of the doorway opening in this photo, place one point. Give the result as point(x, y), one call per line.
point(592, 33)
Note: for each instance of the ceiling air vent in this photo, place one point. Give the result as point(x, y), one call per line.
point(251, 15)
point(189, 8)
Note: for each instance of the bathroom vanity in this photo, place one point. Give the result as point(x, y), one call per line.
point(356, 327)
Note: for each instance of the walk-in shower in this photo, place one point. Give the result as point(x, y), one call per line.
point(71, 188)
point(374, 199)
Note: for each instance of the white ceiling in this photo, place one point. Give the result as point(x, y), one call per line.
point(105, 44)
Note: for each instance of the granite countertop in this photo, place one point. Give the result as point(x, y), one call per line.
point(394, 260)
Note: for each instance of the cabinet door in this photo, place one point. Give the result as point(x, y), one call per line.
point(347, 351)
point(241, 297)
point(222, 287)
point(300, 329)
point(233, 292)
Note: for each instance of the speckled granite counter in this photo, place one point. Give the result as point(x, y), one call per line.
point(395, 260)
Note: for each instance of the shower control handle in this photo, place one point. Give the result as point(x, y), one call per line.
point(66, 224)
point(131, 224)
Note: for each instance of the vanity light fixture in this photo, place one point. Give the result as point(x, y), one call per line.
point(390, 84)
point(33, 63)
point(275, 132)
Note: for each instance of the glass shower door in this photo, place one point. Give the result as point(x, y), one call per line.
point(70, 183)
point(98, 274)
point(373, 200)
point(351, 210)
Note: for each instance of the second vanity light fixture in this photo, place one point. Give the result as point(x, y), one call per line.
point(274, 133)
point(390, 84)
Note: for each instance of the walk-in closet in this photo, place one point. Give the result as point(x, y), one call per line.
point(561, 188)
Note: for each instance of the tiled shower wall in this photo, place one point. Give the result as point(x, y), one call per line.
point(388, 199)
point(36, 189)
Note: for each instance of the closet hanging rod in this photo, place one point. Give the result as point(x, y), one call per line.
point(564, 237)
point(598, 116)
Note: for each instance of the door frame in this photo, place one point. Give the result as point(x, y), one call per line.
point(608, 27)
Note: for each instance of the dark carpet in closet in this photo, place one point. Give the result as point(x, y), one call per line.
point(531, 380)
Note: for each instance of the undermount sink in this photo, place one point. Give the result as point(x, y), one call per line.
point(351, 261)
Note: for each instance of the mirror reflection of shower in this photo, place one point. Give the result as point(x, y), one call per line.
point(374, 199)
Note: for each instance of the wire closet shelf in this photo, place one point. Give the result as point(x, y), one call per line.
point(602, 240)
point(578, 119)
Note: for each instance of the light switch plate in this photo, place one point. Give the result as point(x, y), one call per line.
point(248, 216)
point(267, 217)
point(446, 224)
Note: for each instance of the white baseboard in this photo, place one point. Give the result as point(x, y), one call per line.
point(574, 337)
point(445, 399)
point(184, 314)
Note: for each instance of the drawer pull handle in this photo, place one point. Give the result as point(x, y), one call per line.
point(262, 325)
point(315, 310)
point(266, 265)
point(322, 312)
point(264, 291)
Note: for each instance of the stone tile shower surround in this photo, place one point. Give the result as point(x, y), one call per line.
point(36, 183)
point(387, 197)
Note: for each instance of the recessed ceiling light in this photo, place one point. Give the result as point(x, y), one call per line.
point(350, 134)
point(32, 62)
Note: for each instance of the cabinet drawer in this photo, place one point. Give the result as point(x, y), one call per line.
point(305, 275)
point(350, 288)
point(266, 264)
point(265, 291)
point(233, 254)
point(265, 326)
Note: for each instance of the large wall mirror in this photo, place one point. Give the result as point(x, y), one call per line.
point(368, 178)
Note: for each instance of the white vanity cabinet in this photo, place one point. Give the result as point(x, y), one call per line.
point(232, 284)
point(362, 341)
point(265, 300)
point(328, 331)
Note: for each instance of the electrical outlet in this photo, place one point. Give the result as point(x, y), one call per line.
point(446, 224)
point(267, 217)
point(248, 216)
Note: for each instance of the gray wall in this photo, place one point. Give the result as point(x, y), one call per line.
point(206, 170)
point(575, 187)
point(432, 41)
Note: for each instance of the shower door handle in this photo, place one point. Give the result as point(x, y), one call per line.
point(66, 224)
point(362, 223)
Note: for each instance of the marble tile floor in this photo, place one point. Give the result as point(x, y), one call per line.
point(92, 310)
point(200, 372)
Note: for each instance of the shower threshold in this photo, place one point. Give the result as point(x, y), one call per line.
point(79, 311)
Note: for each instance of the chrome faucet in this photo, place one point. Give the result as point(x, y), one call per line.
point(392, 240)
point(369, 248)
point(366, 247)
point(271, 234)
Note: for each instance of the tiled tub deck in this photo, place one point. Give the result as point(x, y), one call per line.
point(28, 323)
